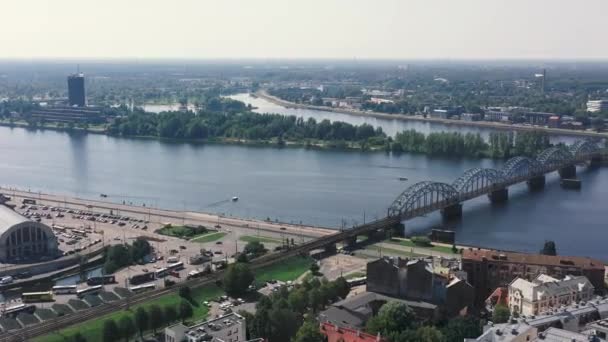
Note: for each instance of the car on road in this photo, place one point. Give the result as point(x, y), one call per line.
point(145, 270)
point(283, 228)
point(218, 243)
point(217, 226)
point(182, 247)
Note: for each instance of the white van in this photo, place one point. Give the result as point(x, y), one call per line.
point(172, 259)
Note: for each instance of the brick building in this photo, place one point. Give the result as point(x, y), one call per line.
point(335, 333)
point(487, 270)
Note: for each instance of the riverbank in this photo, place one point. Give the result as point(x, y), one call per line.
point(479, 124)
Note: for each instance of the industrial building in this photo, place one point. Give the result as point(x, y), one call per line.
point(22, 239)
point(68, 114)
point(76, 93)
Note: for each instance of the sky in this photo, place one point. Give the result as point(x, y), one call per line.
point(277, 29)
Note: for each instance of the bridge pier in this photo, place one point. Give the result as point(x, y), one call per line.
point(351, 241)
point(499, 196)
point(536, 183)
point(453, 211)
point(568, 171)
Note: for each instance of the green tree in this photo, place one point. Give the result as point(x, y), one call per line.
point(342, 287)
point(309, 332)
point(237, 279)
point(255, 249)
point(141, 320)
point(501, 314)
point(460, 328)
point(155, 317)
point(78, 338)
point(284, 324)
point(298, 300)
point(170, 314)
point(393, 317)
point(185, 310)
point(549, 248)
point(314, 268)
point(110, 332)
point(185, 292)
point(127, 327)
point(428, 334)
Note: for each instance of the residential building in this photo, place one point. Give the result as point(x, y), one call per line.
point(595, 106)
point(417, 280)
point(227, 328)
point(522, 332)
point(76, 93)
point(537, 118)
point(470, 117)
point(68, 114)
point(335, 333)
point(545, 293)
point(354, 311)
point(497, 116)
point(554, 121)
point(487, 269)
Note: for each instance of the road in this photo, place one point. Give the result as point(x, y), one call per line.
point(165, 216)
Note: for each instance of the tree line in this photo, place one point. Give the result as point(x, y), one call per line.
point(153, 317)
point(500, 144)
point(121, 255)
point(287, 315)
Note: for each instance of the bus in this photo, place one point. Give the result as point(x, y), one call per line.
point(28, 201)
point(35, 297)
point(357, 281)
point(142, 288)
point(176, 266)
point(64, 289)
point(142, 278)
point(109, 279)
point(161, 273)
point(13, 311)
point(88, 290)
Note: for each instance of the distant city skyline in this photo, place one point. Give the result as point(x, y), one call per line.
point(279, 29)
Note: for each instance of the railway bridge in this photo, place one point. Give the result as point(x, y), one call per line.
point(428, 196)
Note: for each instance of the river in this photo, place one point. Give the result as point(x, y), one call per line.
point(326, 188)
point(389, 126)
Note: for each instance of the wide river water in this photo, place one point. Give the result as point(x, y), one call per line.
point(326, 188)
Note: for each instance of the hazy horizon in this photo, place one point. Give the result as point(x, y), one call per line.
point(443, 30)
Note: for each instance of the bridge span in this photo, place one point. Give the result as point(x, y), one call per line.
point(425, 197)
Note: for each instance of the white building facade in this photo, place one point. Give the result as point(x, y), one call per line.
point(545, 293)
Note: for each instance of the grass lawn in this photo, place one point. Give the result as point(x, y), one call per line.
point(209, 237)
point(181, 231)
point(289, 269)
point(409, 243)
point(92, 329)
point(262, 239)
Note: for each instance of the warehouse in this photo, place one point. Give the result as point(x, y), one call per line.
point(22, 239)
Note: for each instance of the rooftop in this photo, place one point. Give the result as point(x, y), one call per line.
point(9, 218)
point(205, 331)
point(532, 259)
